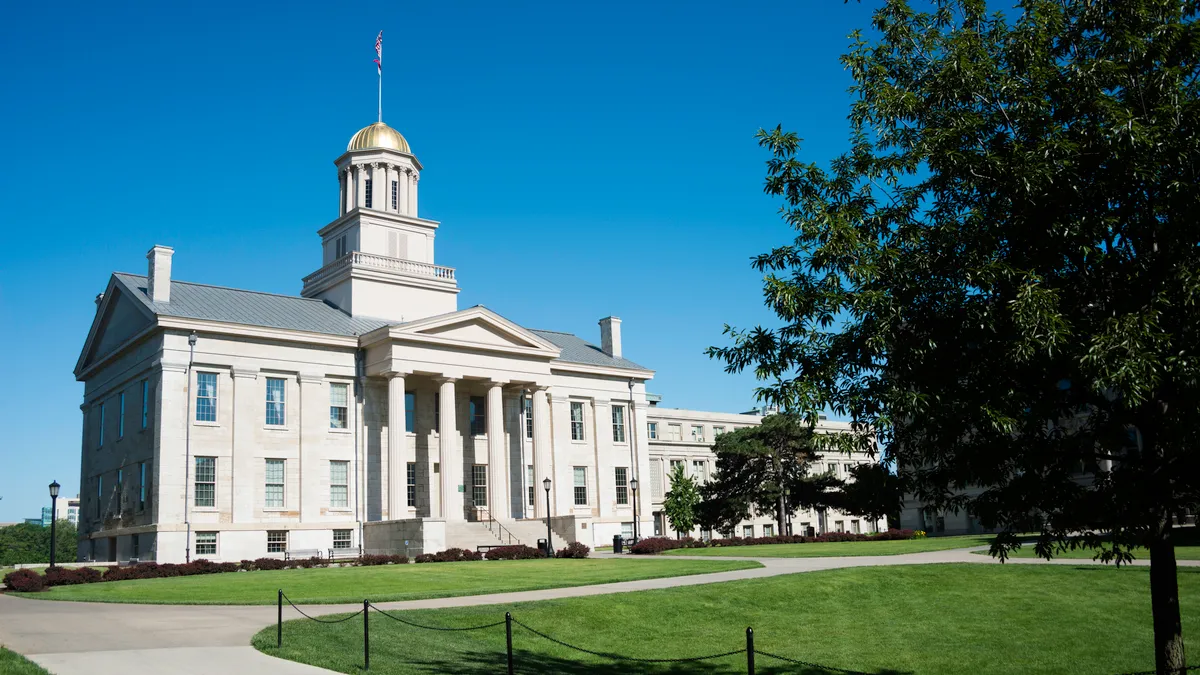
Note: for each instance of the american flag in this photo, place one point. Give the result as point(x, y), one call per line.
point(379, 53)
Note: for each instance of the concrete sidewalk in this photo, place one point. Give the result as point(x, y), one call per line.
point(86, 638)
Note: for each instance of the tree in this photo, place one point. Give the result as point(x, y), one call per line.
point(679, 504)
point(999, 277)
point(766, 469)
point(29, 543)
point(873, 491)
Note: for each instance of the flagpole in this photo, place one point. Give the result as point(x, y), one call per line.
point(381, 80)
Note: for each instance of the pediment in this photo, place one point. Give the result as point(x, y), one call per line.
point(479, 328)
point(118, 319)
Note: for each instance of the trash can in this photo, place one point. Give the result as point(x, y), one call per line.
point(618, 546)
point(544, 547)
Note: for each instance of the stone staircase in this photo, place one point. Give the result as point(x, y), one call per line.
point(471, 535)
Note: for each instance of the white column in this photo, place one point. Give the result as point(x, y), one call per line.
point(245, 428)
point(402, 190)
point(562, 497)
point(397, 442)
point(450, 453)
point(541, 449)
point(360, 186)
point(640, 442)
point(498, 504)
point(342, 201)
point(412, 197)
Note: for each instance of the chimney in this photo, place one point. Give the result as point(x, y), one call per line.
point(610, 336)
point(158, 279)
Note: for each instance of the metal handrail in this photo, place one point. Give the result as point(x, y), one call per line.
point(504, 532)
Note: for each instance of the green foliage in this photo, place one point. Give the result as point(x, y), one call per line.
point(999, 278)
point(872, 491)
point(681, 501)
point(26, 543)
point(759, 466)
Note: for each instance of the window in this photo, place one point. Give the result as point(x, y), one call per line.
point(206, 543)
point(478, 416)
point(839, 526)
point(675, 464)
point(854, 527)
point(846, 468)
point(101, 424)
point(121, 415)
point(277, 540)
point(99, 494)
point(618, 415)
point(747, 531)
point(141, 486)
point(339, 405)
point(804, 529)
point(479, 484)
point(339, 484)
point(832, 469)
point(275, 472)
point(698, 471)
point(369, 192)
point(410, 411)
point(528, 418)
point(529, 483)
point(341, 538)
point(206, 397)
point(674, 432)
point(768, 530)
point(339, 247)
point(622, 478)
point(717, 431)
point(577, 421)
point(206, 481)
point(627, 531)
point(276, 410)
point(145, 402)
point(395, 193)
point(653, 430)
point(698, 433)
point(134, 550)
point(120, 493)
point(412, 483)
point(581, 491)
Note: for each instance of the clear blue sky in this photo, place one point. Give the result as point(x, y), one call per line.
point(584, 160)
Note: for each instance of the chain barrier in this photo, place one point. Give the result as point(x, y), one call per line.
point(618, 657)
point(313, 618)
point(798, 662)
point(442, 628)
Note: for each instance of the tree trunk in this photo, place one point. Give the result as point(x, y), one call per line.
point(1164, 605)
point(780, 508)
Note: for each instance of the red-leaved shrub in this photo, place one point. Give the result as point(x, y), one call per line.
point(66, 576)
point(269, 564)
point(660, 544)
point(573, 550)
point(518, 552)
point(450, 555)
point(369, 559)
point(24, 581)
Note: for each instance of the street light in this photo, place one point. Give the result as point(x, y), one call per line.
point(549, 539)
point(633, 482)
point(53, 519)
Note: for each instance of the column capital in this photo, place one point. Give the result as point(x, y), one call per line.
point(310, 378)
point(250, 373)
point(444, 378)
point(558, 397)
point(495, 382)
point(171, 367)
point(392, 374)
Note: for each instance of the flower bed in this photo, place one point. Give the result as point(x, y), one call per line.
point(660, 544)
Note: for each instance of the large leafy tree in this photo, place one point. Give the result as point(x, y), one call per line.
point(30, 543)
point(999, 278)
point(764, 469)
point(681, 501)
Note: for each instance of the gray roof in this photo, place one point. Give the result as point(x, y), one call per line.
point(270, 310)
point(577, 350)
point(251, 308)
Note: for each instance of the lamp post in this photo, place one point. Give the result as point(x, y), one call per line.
point(633, 483)
point(53, 519)
point(549, 539)
point(187, 448)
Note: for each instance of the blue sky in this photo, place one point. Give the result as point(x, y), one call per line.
point(583, 159)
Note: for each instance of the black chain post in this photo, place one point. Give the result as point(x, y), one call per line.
point(508, 632)
point(366, 635)
point(749, 650)
point(279, 623)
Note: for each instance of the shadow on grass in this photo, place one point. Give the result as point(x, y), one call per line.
point(533, 662)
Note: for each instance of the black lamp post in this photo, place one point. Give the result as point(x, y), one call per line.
point(633, 482)
point(53, 518)
point(549, 537)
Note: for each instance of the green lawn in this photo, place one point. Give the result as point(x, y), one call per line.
point(387, 582)
point(919, 620)
point(1181, 553)
point(12, 663)
point(840, 548)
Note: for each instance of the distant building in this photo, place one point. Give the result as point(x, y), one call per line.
point(68, 509)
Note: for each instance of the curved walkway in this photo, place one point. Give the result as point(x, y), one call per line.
point(89, 638)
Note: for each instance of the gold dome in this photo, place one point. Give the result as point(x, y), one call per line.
point(378, 135)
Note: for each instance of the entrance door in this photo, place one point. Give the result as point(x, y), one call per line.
point(112, 549)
